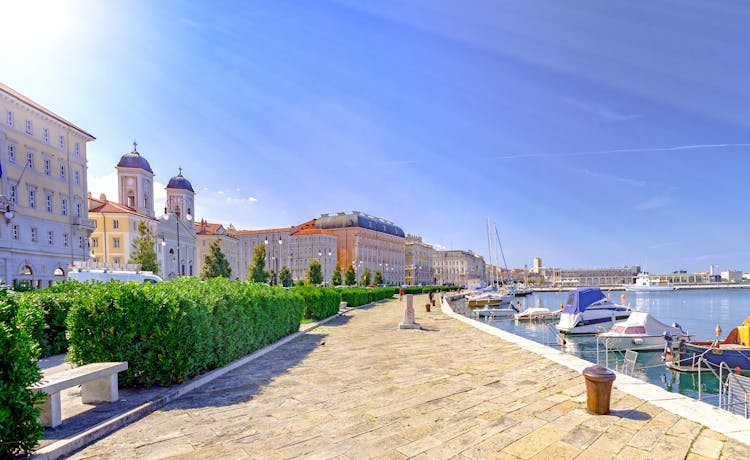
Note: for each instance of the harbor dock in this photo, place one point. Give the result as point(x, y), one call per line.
point(360, 387)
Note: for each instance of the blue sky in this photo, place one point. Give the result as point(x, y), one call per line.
point(594, 133)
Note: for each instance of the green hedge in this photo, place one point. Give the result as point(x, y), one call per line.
point(427, 289)
point(354, 297)
point(171, 331)
point(19, 429)
point(53, 303)
point(320, 303)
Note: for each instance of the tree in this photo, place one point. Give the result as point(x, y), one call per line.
point(143, 252)
point(378, 278)
point(314, 273)
point(285, 276)
point(336, 275)
point(365, 279)
point(350, 278)
point(258, 272)
point(215, 264)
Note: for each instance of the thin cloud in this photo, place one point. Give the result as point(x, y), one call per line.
point(653, 203)
point(676, 148)
point(601, 111)
point(611, 178)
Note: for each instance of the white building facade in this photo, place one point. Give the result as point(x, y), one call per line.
point(176, 230)
point(418, 257)
point(460, 268)
point(45, 227)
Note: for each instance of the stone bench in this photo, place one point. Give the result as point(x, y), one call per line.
point(98, 384)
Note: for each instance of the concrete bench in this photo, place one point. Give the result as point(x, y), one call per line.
point(98, 384)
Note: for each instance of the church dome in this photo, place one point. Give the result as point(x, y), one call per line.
point(179, 182)
point(134, 160)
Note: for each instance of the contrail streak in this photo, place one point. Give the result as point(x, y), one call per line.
point(635, 150)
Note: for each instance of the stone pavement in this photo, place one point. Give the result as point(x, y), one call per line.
point(358, 387)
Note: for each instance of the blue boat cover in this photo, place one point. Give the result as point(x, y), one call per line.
point(581, 298)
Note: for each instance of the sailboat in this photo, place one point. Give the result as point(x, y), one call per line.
point(492, 295)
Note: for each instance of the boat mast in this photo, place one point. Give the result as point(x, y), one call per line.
point(500, 245)
point(489, 251)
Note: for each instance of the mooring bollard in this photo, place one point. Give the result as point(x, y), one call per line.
point(598, 389)
point(409, 322)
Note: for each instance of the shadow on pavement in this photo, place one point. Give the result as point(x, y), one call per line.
point(238, 385)
point(630, 414)
point(241, 384)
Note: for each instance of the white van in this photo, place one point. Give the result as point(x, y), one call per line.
point(117, 275)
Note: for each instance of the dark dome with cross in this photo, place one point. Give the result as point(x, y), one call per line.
point(179, 182)
point(134, 160)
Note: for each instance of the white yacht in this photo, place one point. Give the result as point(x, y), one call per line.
point(640, 332)
point(588, 311)
point(644, 283)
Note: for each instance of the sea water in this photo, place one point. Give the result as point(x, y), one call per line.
point(698, 311)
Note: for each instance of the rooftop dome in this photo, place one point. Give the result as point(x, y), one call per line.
point(179, 182)
point(357, 219)
point(134, 160)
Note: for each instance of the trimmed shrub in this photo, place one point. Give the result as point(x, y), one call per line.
point(171, 331)
point(319, 302)
point(54, 303)
point(354, 297)
point(19, 429)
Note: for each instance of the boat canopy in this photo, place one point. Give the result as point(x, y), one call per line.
point(582, 297)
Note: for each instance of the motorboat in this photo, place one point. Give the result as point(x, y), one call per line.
point(487, 312)
point(644, 283)
point(588, 311)
point(538, 314)
point(640, 332)
point(734, 351)
point(489, 297)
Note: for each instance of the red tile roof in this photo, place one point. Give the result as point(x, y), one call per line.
point(106, 206)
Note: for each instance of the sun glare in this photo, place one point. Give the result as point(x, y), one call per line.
point(37, 22)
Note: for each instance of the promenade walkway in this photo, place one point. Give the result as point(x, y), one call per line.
point(358, 387)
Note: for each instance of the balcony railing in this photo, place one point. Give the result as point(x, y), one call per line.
point(89, 224)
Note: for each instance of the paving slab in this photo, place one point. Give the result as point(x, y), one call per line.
point(360, 387)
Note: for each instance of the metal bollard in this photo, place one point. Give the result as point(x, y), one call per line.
point(598, 389)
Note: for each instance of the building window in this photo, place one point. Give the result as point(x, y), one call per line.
point(29, 127)
point(30, 159)
point(117, 261)
point(13, 194)
point(48, 202)
point(9, 118)
point(62, 170)
point(11, 153)
point(14, 232)
point(78, 149)
point(47, 166)
point(115, 243)
point(80, 242)
point(78, 209)
point(64, 206)
point(32, 198)
point(65, 240)
point(61, 142)
point(45, 135)
point(33, 235)
point(94, 242)
point(115, 224)
point(77, 176)
point(131, 200)
point(50, 237)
